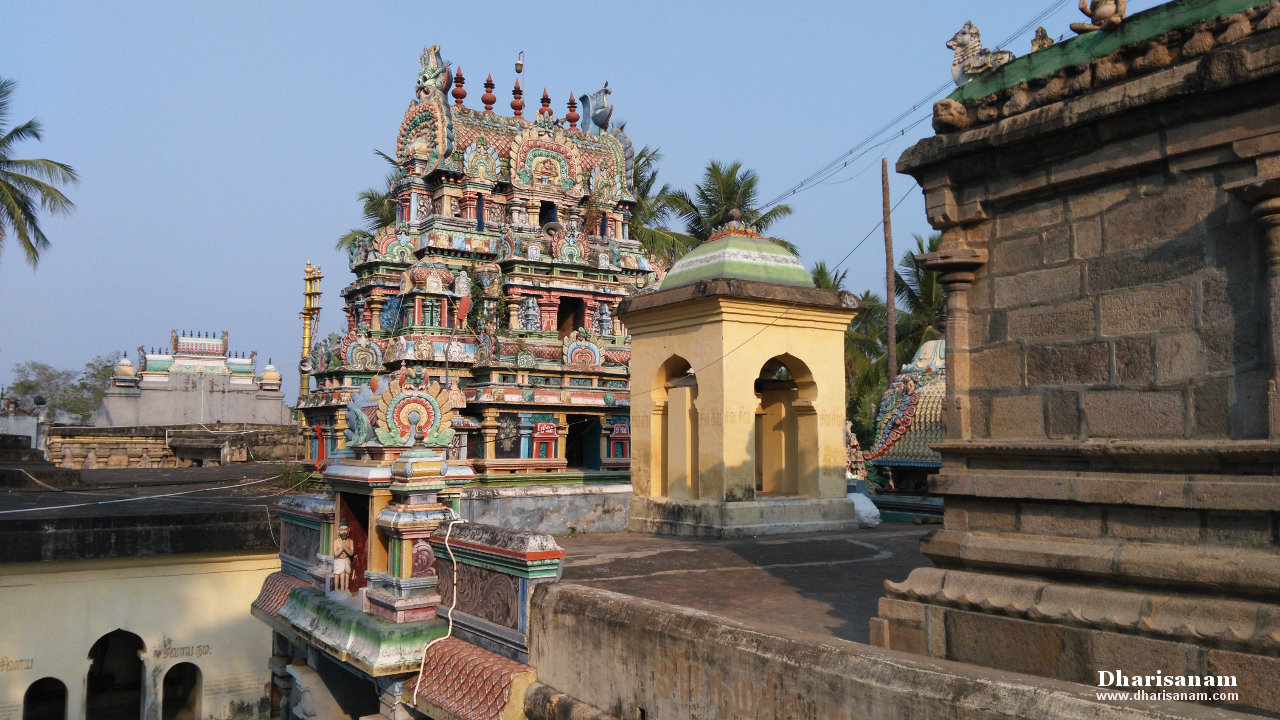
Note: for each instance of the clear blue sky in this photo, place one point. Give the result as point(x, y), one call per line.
point(221, 145)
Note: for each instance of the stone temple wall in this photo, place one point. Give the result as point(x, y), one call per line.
point(1111, 242)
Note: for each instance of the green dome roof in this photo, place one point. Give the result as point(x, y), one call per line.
point(737, 251)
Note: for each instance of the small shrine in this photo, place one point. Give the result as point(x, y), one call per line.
point(739, 413)
point(379, 579)
point(500, 281)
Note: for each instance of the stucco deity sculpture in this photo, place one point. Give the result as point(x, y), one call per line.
point(344, 548)
point(604, 320)
point(530, 315)
point(1102, 14)
point(971, 59)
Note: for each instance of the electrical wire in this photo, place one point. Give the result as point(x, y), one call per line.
point(452, 606)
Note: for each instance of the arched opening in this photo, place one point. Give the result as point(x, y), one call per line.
point(45, 699)
point(114, 684)
point(674, 428)
point(181, 699)
point(786, 429)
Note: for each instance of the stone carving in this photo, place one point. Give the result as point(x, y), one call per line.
point(530, 314)
point(424, 208)
point(949, 116)
point(437, 206)
point(602, 260)
point(971, 59)
point(534, 252)
point(462, 284)
point(1041, 40)
point(1102, 14)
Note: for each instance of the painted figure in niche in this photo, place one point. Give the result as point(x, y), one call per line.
point(344, 548)
point(549, 173)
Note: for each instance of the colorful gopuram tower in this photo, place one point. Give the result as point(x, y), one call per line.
point(499, 281)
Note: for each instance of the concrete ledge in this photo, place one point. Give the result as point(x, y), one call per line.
point(772, 516)
point(623, 654)
point(552, 509)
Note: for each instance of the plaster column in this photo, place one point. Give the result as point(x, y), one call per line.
point(338, 428)
point(376, 302)
point(562, 433)
point(513, 314)
point(1263, 194)
point(605, 442)
point(533, 207)
point(489, 433)
point(957, 268)
point(351, 318)
point(468, 206)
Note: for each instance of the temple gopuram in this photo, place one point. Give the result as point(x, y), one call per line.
point(500, 282)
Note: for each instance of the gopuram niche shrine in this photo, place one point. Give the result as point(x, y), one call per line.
point(499, 282)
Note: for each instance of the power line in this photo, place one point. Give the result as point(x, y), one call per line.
point(843, 159)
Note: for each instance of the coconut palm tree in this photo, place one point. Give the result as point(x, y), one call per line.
point(826, 278)
point(922, 297)
point(653, 210)
point(724, 188)
point(920, 318)
point(24, 184)
point(378, 207)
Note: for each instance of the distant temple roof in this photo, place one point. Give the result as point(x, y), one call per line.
point(738, 251)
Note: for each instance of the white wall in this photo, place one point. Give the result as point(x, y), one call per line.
point(186, 608)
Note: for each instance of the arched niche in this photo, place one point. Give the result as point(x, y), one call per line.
point(181, 693)
point(674, 428)
point(45, 699)
point(786, 428)
point(113, 686)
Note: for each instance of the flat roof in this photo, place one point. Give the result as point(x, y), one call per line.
point(818, 586)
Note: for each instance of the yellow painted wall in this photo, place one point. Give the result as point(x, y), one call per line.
point(186, 608)
point(727, 341)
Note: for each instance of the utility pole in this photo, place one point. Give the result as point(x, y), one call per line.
point(892, 331)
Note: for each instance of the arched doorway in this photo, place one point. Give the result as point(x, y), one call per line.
point(786, 457)
point(45, 699)
point(674, 428)
point(114, 683)
point(181, 699)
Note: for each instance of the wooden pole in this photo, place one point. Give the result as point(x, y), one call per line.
point(892, 331)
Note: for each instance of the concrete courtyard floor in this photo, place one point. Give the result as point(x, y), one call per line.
point(816, 586)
